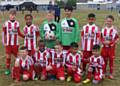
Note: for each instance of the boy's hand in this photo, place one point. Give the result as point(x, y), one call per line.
point(4, 44)
point(37, 49)
point(74, 68)
point(49, 68)
point(107, 42)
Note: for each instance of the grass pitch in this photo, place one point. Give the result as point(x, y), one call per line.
point(38, 18)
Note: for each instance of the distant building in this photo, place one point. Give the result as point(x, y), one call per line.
point(82, 1)
point(27, 4)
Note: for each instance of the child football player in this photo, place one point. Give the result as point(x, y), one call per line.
point(41, 61)
point(31, 33)
point(73, 64)
point(109, 38)
point(58, 62)
point(90, 35)
point(24, 66)
point(11, 31)
point(96, 66)
point(49, 30)
point(69, 28)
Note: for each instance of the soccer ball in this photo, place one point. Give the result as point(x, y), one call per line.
point(49, 35)
point(25, 77)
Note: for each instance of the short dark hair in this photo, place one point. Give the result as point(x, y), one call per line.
point(96, 47)
point(40, 41)
point(68, 7)
point(110, 16)
point(23, 48)
point(74, 45)
point(91, 15)
point(30, 15)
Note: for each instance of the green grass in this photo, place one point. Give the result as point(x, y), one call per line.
point(38, 18)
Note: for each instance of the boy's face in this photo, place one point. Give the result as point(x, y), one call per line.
point(41, 47)
point(28, 20)
point(95, 52)
point(108, 22)
point(50, 16)
point(58, 48)
point(23, 53)
point(68, 13)
point(12, 16)
point(74, 50)
point(91, 20)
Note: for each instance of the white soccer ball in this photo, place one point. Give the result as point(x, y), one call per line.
point(49, 35)
point(25, 77)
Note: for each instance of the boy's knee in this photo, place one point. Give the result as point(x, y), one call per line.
point(61, 78)
point(77, 79)
point(25, 77)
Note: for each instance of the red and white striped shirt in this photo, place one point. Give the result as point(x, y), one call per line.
point(58, 58)
point(42, 58)
point(96, 62)
point(26, 63)
point(31, 34)
point(109, 34)
point(73, 60)
point(90, 35)
point(11, 30)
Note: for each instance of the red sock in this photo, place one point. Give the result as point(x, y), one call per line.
point(8, 62)
point(16, 73)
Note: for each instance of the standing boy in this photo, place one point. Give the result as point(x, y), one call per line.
point(109, 38)
point(90, 35)
point(69, 28)
point(31, 33)
point(49, 30)
point(11, 30)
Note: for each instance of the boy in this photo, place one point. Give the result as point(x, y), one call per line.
point(69, 28)
point(73, 64)
point(41, 61)
point(57, 62)
point(11, 30)
point(96, 66)
point(109, 38)
point(90, 35)
point(31, 33)
point(24, 66)
point(49, 30)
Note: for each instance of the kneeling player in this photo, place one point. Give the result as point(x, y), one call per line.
point(73, 64)
point(24, 66)
point(96, 66)
point(41, 61)
point(57, 62)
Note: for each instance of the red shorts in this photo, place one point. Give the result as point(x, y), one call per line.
point(17, 72)
point(12, 49)
point(86, 55)
point(58, 72)
point(108, 52)
point(76, 76)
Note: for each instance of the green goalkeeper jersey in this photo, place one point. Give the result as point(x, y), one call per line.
point(69, 31)
point(49, 27)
